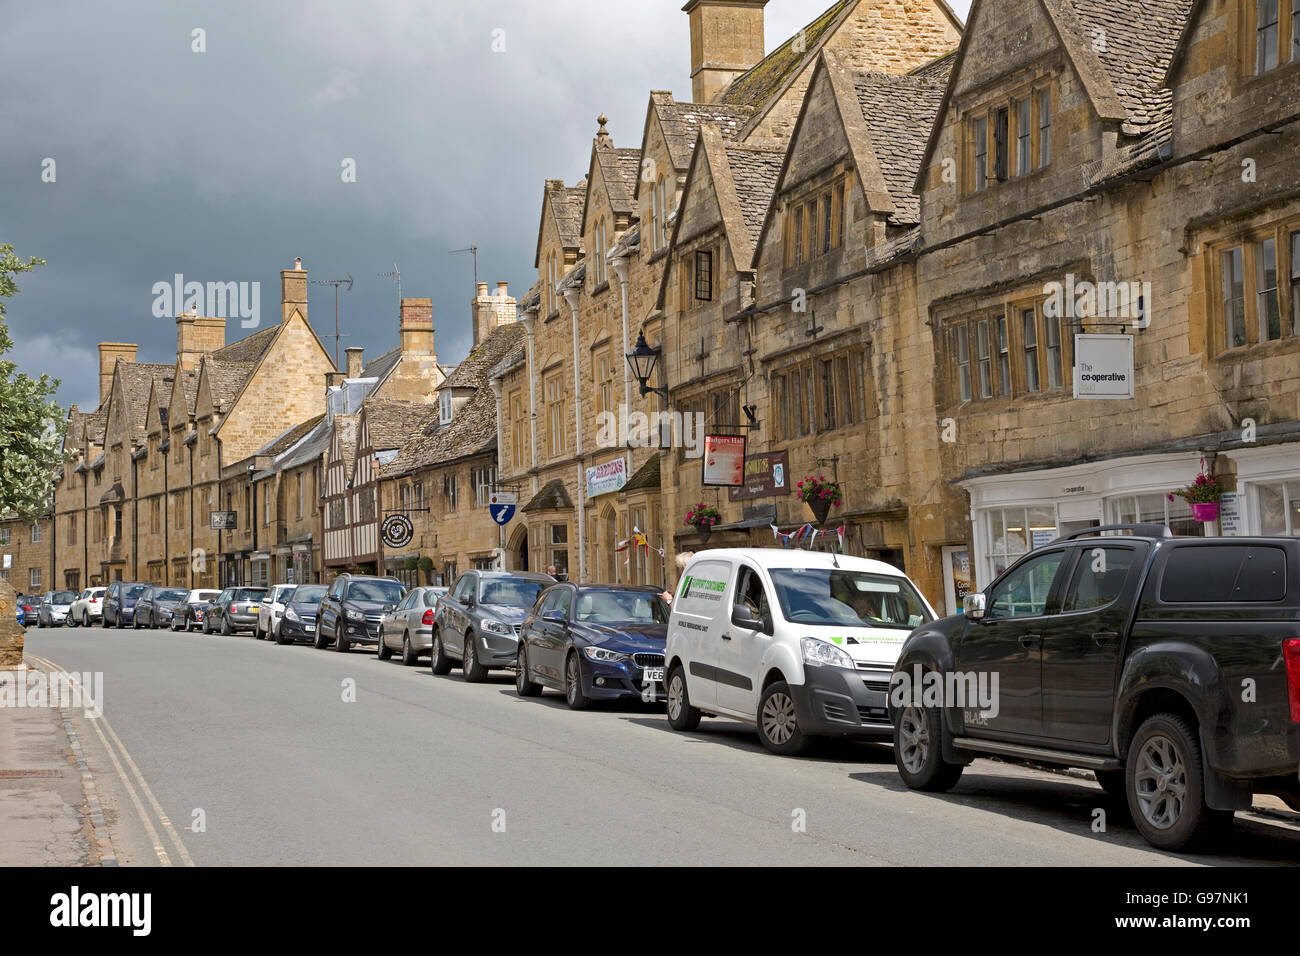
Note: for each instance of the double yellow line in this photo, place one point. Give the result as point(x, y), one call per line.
point(132, 780)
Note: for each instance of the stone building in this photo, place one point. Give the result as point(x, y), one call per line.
point(27, 554)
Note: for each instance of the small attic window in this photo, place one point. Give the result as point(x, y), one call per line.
point(444, 408)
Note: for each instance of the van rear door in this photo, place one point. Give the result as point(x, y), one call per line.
point(701, 614)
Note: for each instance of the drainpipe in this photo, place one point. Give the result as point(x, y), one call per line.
point(530, 326)
point(85, 524)
point(164, 447)
point(191, 559)
point(495, 383)
point(572, 296)
point(620, 265)
point(135, 519)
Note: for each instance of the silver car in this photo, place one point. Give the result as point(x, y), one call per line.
point(409, 626)
point(478, 622)
point(54, 608)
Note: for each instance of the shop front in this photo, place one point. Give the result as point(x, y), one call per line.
point(1014, 513)
point(1267, 499)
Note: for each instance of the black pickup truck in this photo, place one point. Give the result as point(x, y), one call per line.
point(1170, 667)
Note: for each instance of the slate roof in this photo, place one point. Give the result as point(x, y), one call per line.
point(567, 204)
point(552, 497)
point(226, 379)
point(95, 425)
point(765, 79)
point(77, 422)
point(939, 68)
point(620, 167)
point(137, 379)
point(381, 366)
point(647, 476)
point(573, 279)
point(473, 431)
point(1140, 39)
point(899, 112)
point(346, 428)
point(628, 243)
point(755, 172)
point(249, 349)
point(390, 423)
point(681, 123)
point(532, 300)
point(286, 440)
point(189, 388)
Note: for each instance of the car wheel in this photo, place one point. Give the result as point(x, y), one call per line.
point(573, 694)
point(40, 621)
point(135, 623)
point(439, 662)
point(320, 642)
point(72, 621)
point(525, 686)
point(778, 726)
point(258, 633)
point(280, 638)
point(85, 619)
point(385, 652)
point(409, 657)
point(681, 715)
point(117, 621)
point(226, 629)
point(1165, 786)
point(474, 671)
point(341, 643)
point(918, 751)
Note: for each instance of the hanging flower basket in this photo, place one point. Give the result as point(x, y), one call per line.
point(1205, 510)
point(702, 518)
point(820, 496)
point(1203, 496)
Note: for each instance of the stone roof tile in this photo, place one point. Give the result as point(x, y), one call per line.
point(899, 112)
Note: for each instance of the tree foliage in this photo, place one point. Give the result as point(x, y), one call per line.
point(31, 422)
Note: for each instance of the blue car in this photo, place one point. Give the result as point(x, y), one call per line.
point(594, 642)
point(26, 610)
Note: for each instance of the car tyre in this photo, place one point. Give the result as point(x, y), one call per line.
point(280, 639)
point(439, 662)
point(681, 715)
point(341, 643)
point(1165, 786)
point(778, 725)
point(918, 751)
point(409, 656)
point(475, 673)
point(258, 633)
point(226, 629)
point(320, 641)
point(525, 686)
point(573, 693)
point(385, 652)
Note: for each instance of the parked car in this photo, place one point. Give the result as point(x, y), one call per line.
point(120, 601)
point(1126, 655)
point(300, 609)
point(189, 614)
point(594, 643)
point(53, 608)
point(409, 626)
point(801, 644)
point(234, 609)
point(156, 605)
point(270, 612)
point(350, 611)
point(87, 608)
point(478, 622)
point(26, 609)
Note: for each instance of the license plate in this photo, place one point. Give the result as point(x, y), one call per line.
point(309, 627)
point(653, 674)
point(252, 609)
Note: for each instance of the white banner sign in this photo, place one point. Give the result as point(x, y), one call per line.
point(605, 478)
point(1103, 366)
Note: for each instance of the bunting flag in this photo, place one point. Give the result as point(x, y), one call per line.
point(805, 531)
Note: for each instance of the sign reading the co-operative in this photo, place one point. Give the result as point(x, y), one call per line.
point(603, 479)
point(397, 531)
point(724, 460)
point(222, 520)
point(1103, 366)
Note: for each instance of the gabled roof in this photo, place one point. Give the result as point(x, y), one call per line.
point(248, 349)
point(754, 171)
point(681, 122)
point(95, 423)
point(287, 439)
point(553, 497)
point(226, 380)
point(345, 436)
point(139, 380)
point(647, 476)
point(390, 422)
point(188, 382)
point(566, 205)
point(619, 169)
point(74, 431)
point(473, 430)
point(899, 112)
point(379, 368)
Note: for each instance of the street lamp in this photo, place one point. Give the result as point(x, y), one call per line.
point(643, 359)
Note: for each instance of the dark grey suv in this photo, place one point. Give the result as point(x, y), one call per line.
point(350, 612)
point(478, 622)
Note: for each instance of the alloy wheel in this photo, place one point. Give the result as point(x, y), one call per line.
point(676, 696)
point(914, 739)
point(1161, 781)
point(778, 718)
point(574, 678)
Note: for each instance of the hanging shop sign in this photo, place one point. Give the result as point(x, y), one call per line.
point(1103, 366)
point(765, 476)
point(724, 461)
point(397, 531)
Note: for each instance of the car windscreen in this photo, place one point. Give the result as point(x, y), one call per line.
point(171, 594)
point(62, 597)
point(307, 594)
point(510, 592)
point(248, 594)
point(599, 606)
point(134, 591)
point(380, 592)
point(842, 598)
point(203, 597)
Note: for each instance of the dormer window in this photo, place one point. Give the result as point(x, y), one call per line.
point(444, 408)
point(1010, 140)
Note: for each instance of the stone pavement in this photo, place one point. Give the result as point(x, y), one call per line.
point(44, 816)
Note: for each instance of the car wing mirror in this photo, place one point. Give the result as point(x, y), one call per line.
point(555, 617)
point(974, 606)
point(742, 615)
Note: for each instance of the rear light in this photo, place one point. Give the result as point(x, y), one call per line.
point(94, 600)
point(1291, 653)
point(428, 617)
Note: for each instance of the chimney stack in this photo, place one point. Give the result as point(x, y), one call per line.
point(489, 311)
point(293, 290)
point(354, 361)
point(726, 41)
point(195, 335)
point(109, 353)
point(416, 331)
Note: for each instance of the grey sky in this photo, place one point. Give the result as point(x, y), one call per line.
point(224, 165)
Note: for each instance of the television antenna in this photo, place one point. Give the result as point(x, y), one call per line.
point(336, 283)
point(397, 275)
point(473, 250)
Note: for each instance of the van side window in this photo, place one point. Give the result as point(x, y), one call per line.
point(751, 592)
point(1099, 578)
point(1206, 574)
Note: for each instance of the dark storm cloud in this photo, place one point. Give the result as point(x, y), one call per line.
point(224, 165)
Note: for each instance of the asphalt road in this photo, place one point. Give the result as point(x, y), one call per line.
point(420, 769)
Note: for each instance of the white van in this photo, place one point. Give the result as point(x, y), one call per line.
point(799, 643)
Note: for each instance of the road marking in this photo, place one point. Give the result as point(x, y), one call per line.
point(159, 846)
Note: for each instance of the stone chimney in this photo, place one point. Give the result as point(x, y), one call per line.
point(195, 335)
point(354, 361)
point(416, 331)
point(489, 311)
point(726, 41)
point(109, 353)
point(334, 379)
point(293, 290)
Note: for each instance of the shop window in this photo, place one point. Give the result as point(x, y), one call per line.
point(1155, 508)
point(1279, 508)
point(1013, 532)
